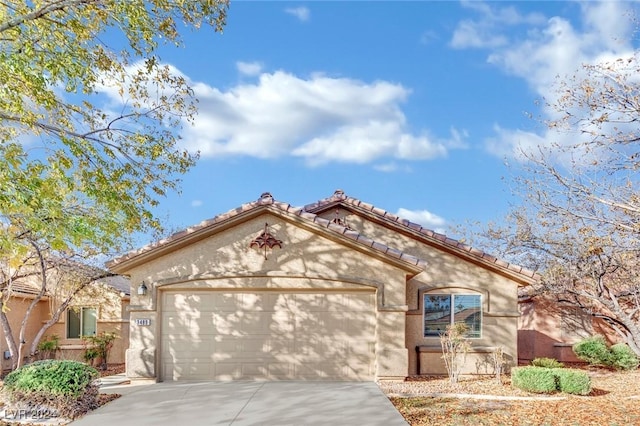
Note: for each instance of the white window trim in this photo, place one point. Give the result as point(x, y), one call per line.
point(453, 296)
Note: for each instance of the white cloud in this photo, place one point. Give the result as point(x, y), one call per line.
point(249, 68)
point(486, 31)
point(543, 51)
point(196, 203)
point(423, 217)
point(392, 167)
point(301, 12)
point(320, 119)
point(470, 34)
point(513, 143)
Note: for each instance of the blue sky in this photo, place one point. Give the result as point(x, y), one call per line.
point(414, 107)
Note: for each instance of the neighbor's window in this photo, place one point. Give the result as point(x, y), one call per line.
point(441, 310)
point(81, 322)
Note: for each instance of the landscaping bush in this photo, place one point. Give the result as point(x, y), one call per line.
point(593, 350)
point(534, 379)
point(62, 387)
point(48, 346)
point(623, 357)
point(98, 347)
point(572, 381)
point(547, 363)
point(550, 380)
point(59, 377)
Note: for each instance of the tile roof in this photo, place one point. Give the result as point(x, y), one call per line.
point(339, 198)
point(24, 286)
point(31, 284)
point(266, 200)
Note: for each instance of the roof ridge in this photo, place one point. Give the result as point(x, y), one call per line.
point(266, 199)
point(339, 196)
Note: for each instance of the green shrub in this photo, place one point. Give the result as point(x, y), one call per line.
point(572, 381)
point(534, 379)
point(98, 348)
point(547, 363)
point(56, 377)
point(550, 380)
point(49, 343)
point(623, 357)
point(594, 350)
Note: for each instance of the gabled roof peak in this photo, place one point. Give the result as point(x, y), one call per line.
point(266, 198)
point(340, 198)
point(266, 202)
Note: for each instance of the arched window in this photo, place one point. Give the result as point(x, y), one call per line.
point(441, 310)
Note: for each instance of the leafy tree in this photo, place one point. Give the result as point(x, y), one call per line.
point(579, 223)
point(89, 117)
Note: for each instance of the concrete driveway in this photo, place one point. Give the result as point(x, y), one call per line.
point(248, 403)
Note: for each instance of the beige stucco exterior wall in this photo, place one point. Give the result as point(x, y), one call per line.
point(17, 307)
point(113, 316)
point(307, 260)
point(447, 273)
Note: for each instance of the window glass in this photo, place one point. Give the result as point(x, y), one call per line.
point(73, 324)
point(89, 318)
point(81, 322)
point(441, 310)
point(437, 314)
point(467, 310)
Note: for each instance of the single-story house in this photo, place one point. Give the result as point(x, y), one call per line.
point(335, 290)
point(100, 307)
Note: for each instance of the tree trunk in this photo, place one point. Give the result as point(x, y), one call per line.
point(8, 336)
point(32, 305)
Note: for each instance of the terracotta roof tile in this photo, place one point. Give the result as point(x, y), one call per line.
point(394, 252)
point(378, 211)
point(415, 226)
point(502, 263)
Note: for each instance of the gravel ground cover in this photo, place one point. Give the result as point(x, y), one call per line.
point(614, 400)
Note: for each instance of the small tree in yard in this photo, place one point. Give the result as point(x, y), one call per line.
point(454, 349)
point(497, 356)
point(98, 347)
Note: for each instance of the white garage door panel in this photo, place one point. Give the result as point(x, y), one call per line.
point(264, 335)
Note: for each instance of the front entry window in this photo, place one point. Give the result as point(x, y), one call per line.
point(81, 322)
point(441, 310)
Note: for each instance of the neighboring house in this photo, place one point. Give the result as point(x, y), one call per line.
point(336, 290)
point(549, 327)
point(100, 307)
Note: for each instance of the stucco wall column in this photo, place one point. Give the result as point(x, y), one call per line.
point(391, 355)
point(142, 353)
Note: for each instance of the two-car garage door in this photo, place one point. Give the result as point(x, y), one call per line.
point(268, 335)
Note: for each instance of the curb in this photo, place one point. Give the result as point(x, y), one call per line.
point(473, 396)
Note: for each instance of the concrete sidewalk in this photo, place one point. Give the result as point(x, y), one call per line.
point(247, 403)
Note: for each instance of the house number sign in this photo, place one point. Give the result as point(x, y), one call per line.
point(143, 321)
